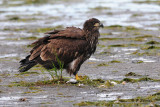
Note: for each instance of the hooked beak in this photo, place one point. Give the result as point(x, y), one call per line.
point(101, 25)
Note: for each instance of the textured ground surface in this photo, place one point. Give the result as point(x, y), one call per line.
point(130, 42)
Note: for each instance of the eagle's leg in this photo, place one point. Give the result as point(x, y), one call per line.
point(74, 72)
point(74, 67)
point(77, 77)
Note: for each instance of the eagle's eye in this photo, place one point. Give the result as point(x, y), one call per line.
point(97, 24)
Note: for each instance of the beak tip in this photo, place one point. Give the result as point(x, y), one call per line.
point(102, 26)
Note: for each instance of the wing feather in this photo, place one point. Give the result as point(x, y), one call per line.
point(65, 44)
point(53, 32)
point(36, 52)
point(70, 32)
point(64, 49)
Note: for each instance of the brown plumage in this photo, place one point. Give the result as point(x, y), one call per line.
point(71, 46)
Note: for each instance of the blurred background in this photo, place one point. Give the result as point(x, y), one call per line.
point(52, 13)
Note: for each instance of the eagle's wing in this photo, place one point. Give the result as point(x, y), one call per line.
point(69, 32)
point(65, 50)
point(65, 45)
point(53, 32)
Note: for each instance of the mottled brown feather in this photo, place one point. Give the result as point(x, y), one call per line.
point(53, 32)
point(59, 48)
point(70, 32)
point(58, 43)
point(36, 52)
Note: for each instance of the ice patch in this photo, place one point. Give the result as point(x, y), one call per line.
point(129, 49)
point(144, 60)
point(94, 59)
point(152, 28)
point(148, 87)
point(15, 42)
point(9, 98)
point(124, 49)
point(9, 55)
point(2, 37)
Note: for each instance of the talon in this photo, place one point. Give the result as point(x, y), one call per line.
point(77, 77)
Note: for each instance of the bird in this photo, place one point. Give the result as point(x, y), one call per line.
point(71, 46)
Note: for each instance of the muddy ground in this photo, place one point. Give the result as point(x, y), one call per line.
point(129, 48)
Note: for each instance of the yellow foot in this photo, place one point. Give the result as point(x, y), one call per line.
point(77, 77)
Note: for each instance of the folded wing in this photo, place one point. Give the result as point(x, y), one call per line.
point(66, 45)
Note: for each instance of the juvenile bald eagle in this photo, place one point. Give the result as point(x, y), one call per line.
point(71, 46)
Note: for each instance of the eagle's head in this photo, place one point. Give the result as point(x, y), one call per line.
point(92, 24)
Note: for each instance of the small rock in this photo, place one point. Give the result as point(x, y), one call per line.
point(124, 82)
point(22, 99)
point(151, 104)
point(73, 81)
point(80, 85)
point(114, 83)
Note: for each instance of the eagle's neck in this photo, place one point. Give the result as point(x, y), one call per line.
point(92, 38)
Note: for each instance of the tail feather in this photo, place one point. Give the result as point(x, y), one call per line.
point(25, 64)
